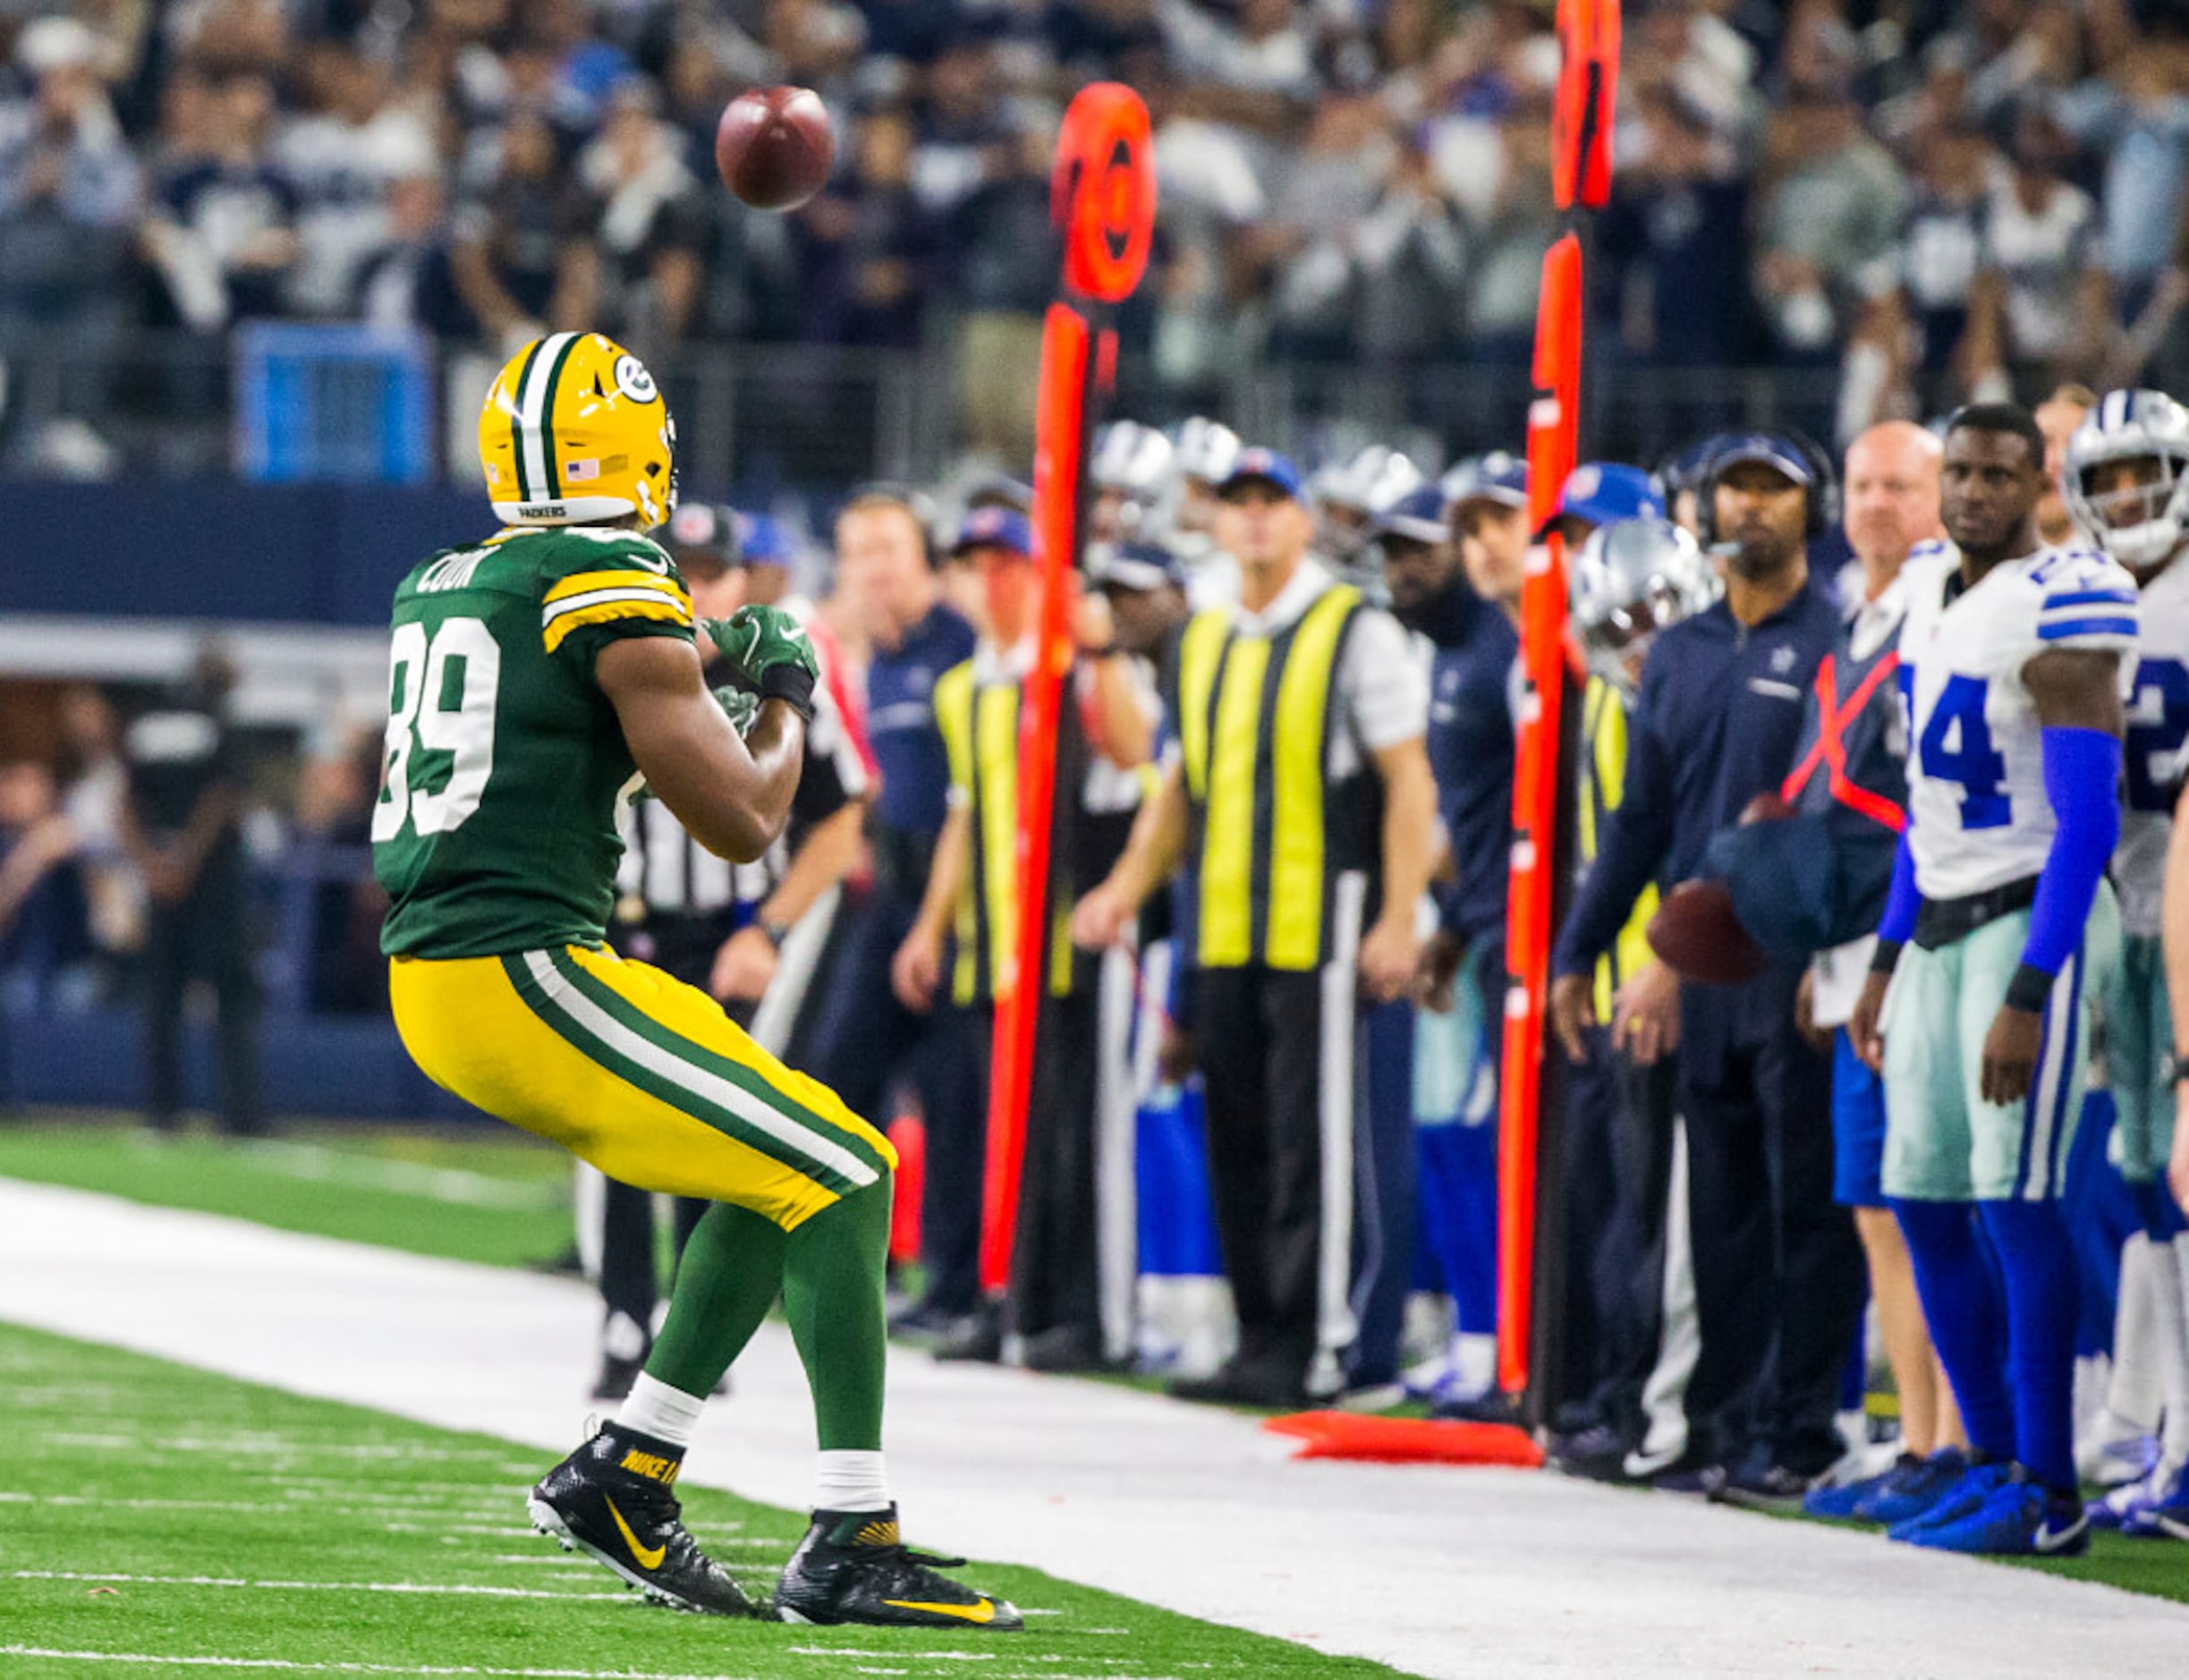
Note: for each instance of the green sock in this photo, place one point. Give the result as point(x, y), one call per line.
point(730, 1274)
point(834, 1268)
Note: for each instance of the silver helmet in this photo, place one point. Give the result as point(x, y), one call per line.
point(1349, 495)
point(1131, 457)
point(1204, 450)
point(2142, 526)
point(1632, 579)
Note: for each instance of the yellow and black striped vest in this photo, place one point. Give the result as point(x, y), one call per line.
point(1269, 832)
point(1603, 783)
point(979, 722)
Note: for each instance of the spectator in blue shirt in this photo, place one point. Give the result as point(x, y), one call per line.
point(866, 1042)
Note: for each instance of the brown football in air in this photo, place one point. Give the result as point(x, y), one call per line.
point(1765, 808)
point(773, 147)
point(1696, 934)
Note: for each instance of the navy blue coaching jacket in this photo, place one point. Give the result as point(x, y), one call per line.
point(1718, 721)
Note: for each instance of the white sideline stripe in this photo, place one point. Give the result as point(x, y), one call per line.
point(450, 1588)
point(287, 1667)
point(705, 1086)
point(317, 1163)
point(531, 403)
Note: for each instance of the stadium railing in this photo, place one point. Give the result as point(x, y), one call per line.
point(303, 404)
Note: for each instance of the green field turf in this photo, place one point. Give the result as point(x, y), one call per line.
point(186, 1520)
point(491, 1194)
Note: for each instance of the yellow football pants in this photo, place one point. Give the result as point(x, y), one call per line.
point(637, 1072)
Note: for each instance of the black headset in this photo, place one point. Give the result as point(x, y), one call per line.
point(1819, 499)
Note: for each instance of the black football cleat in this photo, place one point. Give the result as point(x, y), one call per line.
point(612, 1499)
point(852, 1567)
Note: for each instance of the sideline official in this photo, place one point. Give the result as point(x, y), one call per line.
point(1298, 792)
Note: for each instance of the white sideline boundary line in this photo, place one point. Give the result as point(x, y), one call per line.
point(455, 1588)
point(1438, 1571)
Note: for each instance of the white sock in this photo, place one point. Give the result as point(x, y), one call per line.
point(666, 1413)
point(2136, 1395)
point(1474, 1356)
point(2170, 1341)
point(850, 1482)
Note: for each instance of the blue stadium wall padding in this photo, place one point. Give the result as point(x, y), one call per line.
point(314, 553)
point(332, 1066)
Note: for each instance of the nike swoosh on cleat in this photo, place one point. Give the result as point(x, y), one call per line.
point(645, 1559)
point(2047, 1539)
point(983, 1611)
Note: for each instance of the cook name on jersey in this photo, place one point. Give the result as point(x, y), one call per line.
point(1979, 817)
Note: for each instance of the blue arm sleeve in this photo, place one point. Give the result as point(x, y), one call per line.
point(1904, 901)
point(1631, 851)
point(2083, 776)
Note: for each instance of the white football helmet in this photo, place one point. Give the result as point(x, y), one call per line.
point(1205, 450)
point(1347, 497)
point(1131, 457)
point(2140, 526)
point(1632, 579)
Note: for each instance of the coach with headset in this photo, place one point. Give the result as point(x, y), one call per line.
point(1779, 1273)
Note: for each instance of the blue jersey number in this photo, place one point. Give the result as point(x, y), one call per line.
point(1956, 747)
point(2158, 726)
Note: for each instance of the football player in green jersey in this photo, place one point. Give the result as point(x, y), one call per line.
point(536, 679)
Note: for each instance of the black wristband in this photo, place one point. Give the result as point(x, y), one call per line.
point(791, 684)
point(1886, 958)
point(2030, 990)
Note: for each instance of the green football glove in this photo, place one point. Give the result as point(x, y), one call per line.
point(741, 705)
point(768, 650)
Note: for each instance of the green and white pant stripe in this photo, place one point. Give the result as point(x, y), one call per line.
point(694, 1078)
point(1943, 1142)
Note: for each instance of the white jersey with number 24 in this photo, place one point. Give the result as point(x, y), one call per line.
point(1978, 814)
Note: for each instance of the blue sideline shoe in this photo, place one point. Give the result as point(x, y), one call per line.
point(2021, 1519)
point(2124, 1505)
point(2163, 1512)
point(1912, 1489)
point(1844, 1501)
point(1975, 1484)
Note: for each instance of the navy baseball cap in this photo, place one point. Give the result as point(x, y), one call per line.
point(995, 528)
point(1264, 466)
point(1765, 449)
point(1419, 515)
point(1604, 492)
point(704, 528)
point(762, 542)
point(1498, 477)
point(1137, 566)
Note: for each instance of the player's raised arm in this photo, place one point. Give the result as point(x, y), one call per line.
point(733, 795)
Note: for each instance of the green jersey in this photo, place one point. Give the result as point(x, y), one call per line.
point(495, 829)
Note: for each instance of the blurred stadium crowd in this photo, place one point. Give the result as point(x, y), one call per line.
point(1949, 198)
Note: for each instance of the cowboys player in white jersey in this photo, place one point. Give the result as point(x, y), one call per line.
point(2126, 481)
point(2011, 662)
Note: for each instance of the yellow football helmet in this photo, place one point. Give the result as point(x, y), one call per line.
point(574, 431)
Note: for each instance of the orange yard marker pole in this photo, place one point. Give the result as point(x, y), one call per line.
point(1102, 198)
